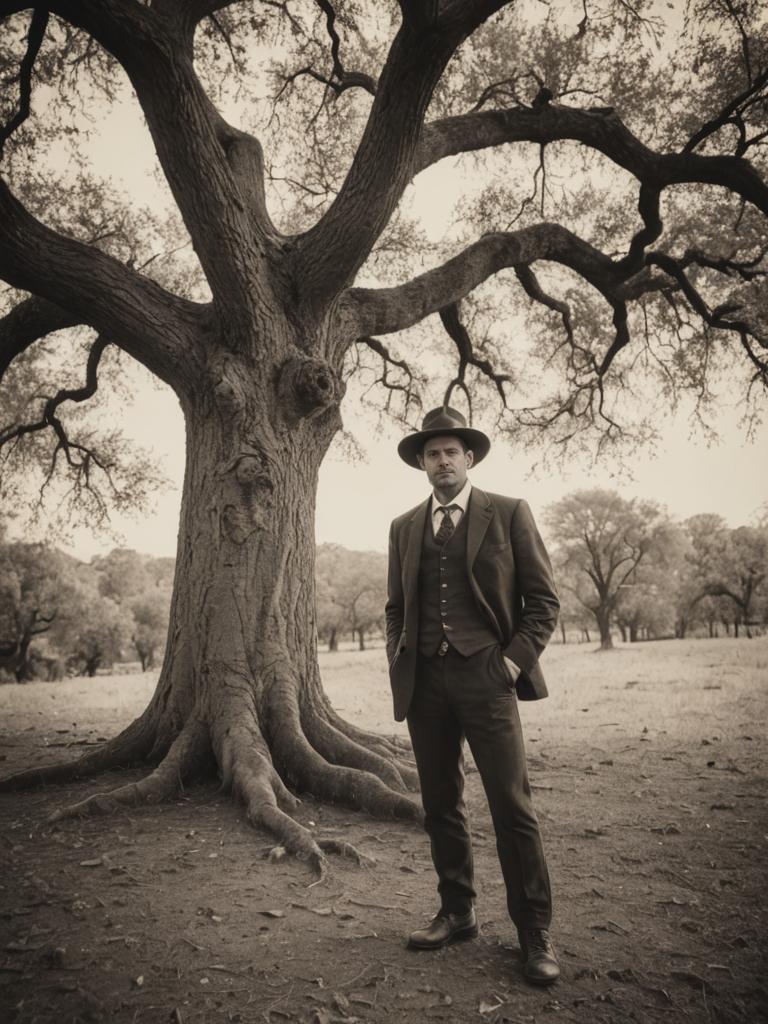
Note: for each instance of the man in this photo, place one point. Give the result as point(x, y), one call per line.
point(471, 605)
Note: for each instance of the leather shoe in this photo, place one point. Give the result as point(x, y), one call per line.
point(540, 964)
point(444, 929)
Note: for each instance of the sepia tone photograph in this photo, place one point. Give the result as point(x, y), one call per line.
point(383, 511)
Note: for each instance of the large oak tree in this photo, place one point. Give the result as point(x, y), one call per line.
point(624, 209)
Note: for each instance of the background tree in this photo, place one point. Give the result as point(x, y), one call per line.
point(34, 593)
point(574, 617)
point(725, 564)
point(331, 615)
point(602, 540)
point(741, 574)
point(352, 589)
point(649, 600)
point(705, 559)
point(150, 625)
point(142, 587)
point(608, 135)
point(98, 634)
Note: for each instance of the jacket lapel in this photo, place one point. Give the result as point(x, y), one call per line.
point(413, 552)
point(480, 515)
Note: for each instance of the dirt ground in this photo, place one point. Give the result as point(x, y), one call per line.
point(649, 772)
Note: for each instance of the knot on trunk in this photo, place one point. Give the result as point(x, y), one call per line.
point(307, 387)
point(229, 389)
point(249, 494)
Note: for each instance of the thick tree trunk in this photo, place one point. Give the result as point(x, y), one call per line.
point(623, 632)
point(240, 682)
point(634, 633)
point(333, 641)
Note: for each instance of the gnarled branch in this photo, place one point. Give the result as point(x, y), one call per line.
point(332, 251)
point(456, 330)
point(154, 45)
point(404, 386)
point(90, 287)
point(599, 128)
point(31, 319)
point(37, 27)
point(49, 417)
point(383, 310)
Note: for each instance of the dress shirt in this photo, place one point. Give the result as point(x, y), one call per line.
point(461, 499)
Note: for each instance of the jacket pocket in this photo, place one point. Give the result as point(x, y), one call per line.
point(398, 650)
point(505, 669)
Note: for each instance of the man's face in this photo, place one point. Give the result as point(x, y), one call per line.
point(446, 461)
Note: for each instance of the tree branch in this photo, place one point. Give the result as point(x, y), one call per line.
point(451, 320)
point(599, 128)
point(330, 253)
point(404, 386)
point(725, 116)
point(37, 28)
point(81, 457)
point(49, 417)
point(530, 283)
point(344, 79)
point(214, 171)
point(383, 310)
point(90, 287)
point(30, 320)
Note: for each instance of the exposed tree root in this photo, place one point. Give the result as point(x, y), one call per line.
point(310, 772)
point(339, 749)
point(252, 777)
point(393, 749)
point(182, 761)
point(314, 752)
point(128, 747)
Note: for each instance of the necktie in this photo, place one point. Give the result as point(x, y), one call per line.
point(446, 527)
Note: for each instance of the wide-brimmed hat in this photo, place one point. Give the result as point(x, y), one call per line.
point(443, 421)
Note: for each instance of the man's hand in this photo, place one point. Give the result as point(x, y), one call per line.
point(513, 668)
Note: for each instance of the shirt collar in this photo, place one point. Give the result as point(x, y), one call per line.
point(461, 499)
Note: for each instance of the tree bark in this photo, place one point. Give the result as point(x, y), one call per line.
point(240, 680)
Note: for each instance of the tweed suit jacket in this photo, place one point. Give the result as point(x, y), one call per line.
point(510, 575)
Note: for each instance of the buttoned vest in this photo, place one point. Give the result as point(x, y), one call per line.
point(447, 606)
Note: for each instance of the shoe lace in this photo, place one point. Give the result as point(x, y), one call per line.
point(537, 941)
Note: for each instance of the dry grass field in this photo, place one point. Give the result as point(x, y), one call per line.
point(649, 770)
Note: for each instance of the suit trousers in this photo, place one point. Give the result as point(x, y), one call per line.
point(474, 697)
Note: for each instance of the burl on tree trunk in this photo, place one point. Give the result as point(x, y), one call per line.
point(240, 684)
